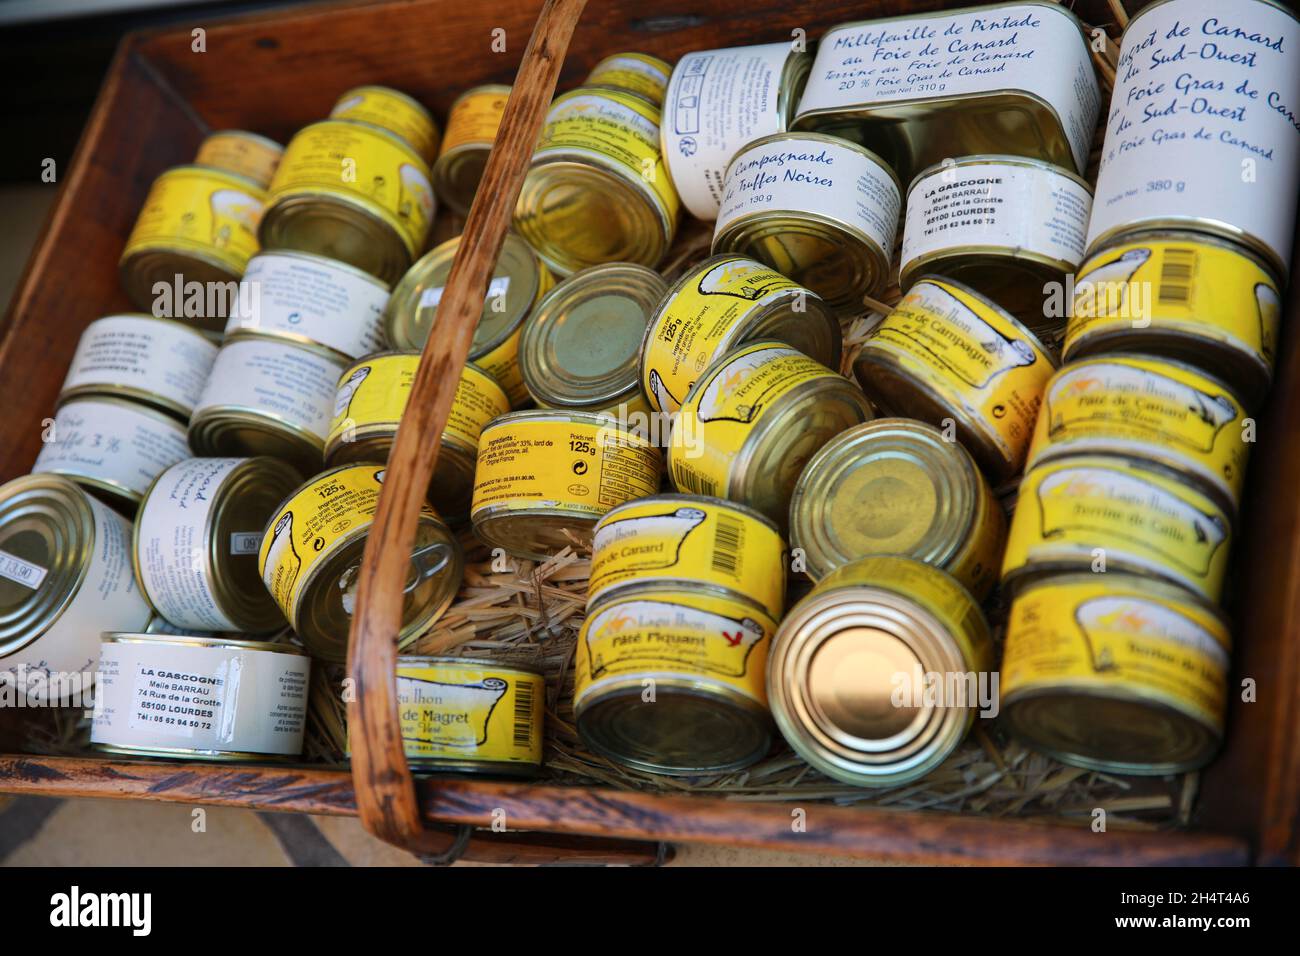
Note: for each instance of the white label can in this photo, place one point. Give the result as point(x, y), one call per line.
point(161, 362)
point(112, 446)
point(309, 298)
point(717, 101)
point(1016, 57)
point(1203, 131)
point(995, 204)
point(204, 697)
point(65, 596)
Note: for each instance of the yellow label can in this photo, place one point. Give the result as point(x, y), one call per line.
point(598, 190)
point(393, 111)
point(244, 154)
point(196, 222)
point(1116, 672)
point(470, 716)
point(657, 665)
point(950, 357)
point(1110, 513)
point(372, 395)
point(1184, 296)
point(720, 304)
point(752, 421)
point(1152, 408)
point(351, 192)
point(677, 538)
point(471, 130)
point(544, 478)
point(310, 559)
point(638, 73)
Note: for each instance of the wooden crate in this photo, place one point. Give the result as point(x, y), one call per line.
point(277, 72)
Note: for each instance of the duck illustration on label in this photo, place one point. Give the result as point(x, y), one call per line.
point(1103, 291)
point(667, 534)
point(283, 563)
point(664, 399)
point(718, 402)
point(665, 636)
point(347, 389)
point(1268, 306)
point(233, 211)
point(448, 714)
point(743, 279)
point(415, 198)
point(1103, 621)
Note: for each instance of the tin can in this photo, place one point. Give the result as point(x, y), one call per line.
point(156, 362)
point(242, 153)
point(519, 281)
point(719, 305)
point(310, 559)
point(111, 447)
point(312, 300)
point(1110, 513)
point(196, 540)
point(896, 486)
point(200, 698)
point(65, 575)
point(1182, 296)
point(715, 545)
point(160, 625)
point(1151, 408)
point(752, 421)
point(818, 209)
point(578, 349)
point(1008, 227)
point(1007, 78)
point(392, 111)
point(875, 677)
point(1117, 673)
point(669, 680)
point(1202, 133)
point(468, 715)
point(351, 192)
point(371, 398)
point(597, 189)
point(471, 130)
point(266, 396)
point(948, 356)
point(544, 478)
point(639, 73)
point(198, 227)
point(719, 100)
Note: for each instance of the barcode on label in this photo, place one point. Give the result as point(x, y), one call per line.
point(523, 714)
point(1177, 267)
point(692, 482)
point(728, 539)
point(245, 542)
point(21, 572)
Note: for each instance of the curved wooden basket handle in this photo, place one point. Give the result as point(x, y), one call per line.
point(385, 789)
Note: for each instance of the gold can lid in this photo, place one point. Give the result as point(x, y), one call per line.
point(141, 272)
point(846, 682)
point(323, 616)
point(580, 346)
point(336, 227)
point(412, 309)
point(226, 431)
point(891, 486)
point(47, 541)
point(459, 167)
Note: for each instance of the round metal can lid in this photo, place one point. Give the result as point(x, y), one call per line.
point(892, 486)
point(576, 212)
point(838, 663)
point(580, 346)
point(47, 540)
point(223, 431)
point(412, 309)
point(686, 730)
point(142, 271)
point(242, 505)
point(533, 533)
point(794, 76)
point(323, 616)
point(335, 226)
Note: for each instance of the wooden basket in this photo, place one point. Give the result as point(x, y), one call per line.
point(277, 72)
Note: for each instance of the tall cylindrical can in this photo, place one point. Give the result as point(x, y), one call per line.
point(1203, 131)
